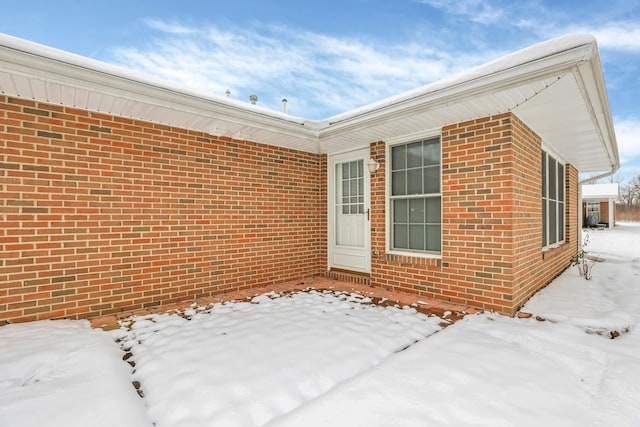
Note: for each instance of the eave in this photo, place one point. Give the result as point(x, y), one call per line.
point(556, 87)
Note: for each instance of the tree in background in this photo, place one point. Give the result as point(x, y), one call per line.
point(630, 192)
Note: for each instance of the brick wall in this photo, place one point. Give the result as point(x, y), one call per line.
point(100, 214)
point(492, 229)
point(533, 269)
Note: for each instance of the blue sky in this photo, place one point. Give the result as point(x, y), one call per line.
point(327, 57)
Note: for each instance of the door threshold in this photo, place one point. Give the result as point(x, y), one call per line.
point(348, 276)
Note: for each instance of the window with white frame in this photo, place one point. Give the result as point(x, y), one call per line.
point(415, 197)
point(553, 201)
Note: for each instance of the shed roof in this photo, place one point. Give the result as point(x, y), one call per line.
point(556, 87)
point(600, 191)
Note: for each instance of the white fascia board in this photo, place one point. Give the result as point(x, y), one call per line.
point(592, 77)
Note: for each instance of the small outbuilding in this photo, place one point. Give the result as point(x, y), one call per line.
point(599, 205)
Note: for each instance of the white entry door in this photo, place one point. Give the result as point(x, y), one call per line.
point(349, 203)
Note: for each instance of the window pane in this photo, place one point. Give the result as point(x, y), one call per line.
point(560, 221)
point(345, 188)
point(401, 236)
point(400, 211)
point(398, 156)
point(553, 182)
point(433, 238)
point(414, 155)
point(354, 188)
point(544, 222)
point(431, 152)
point(399, 183)
point(416, 211)
point(353, 169)
point(360, 186)
point(360, 168)
point(354, 209)
point(553, 215)
point(560, 182)
point(432, 179)
point(345, 209)
point(414, 181)
point(416, 237)
point(544, 174)
point(433, 210)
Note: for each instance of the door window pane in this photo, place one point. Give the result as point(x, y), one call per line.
point(350, 187)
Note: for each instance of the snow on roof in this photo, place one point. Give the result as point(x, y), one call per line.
point(600, 191)
point(123, 73)
point(524, 56)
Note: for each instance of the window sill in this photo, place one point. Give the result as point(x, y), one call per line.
point(548, 249)
point(415, 255)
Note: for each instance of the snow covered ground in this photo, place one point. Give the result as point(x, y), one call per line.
point(321, 358)
point(63, 373)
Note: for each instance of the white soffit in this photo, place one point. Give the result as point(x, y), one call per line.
point(555, 87)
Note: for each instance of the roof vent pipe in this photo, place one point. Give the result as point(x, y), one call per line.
point(284, 105)
point(253, 99)
point(228, 92)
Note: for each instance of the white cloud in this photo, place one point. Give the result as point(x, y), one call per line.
point(624, 36)
point(320, 75)
point(166, 26)
point(479, 11)
point(536, 18)
point(628, 136)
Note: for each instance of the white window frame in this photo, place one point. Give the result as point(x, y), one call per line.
point(560, 239)
point(390, 143)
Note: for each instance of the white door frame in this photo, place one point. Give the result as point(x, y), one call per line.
point(356, 259)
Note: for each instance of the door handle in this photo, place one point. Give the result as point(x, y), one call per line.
point(368, 219)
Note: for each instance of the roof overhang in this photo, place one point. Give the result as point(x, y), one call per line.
point(556, 87)
point(600, 191)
